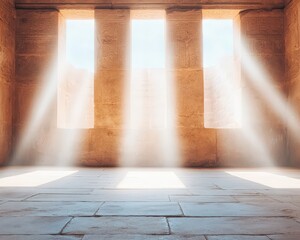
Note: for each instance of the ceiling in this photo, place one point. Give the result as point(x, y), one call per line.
point(152, 4)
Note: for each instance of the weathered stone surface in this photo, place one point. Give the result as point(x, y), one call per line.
point(202, 199)
point(184, 33)
point(112, 39)
point(43, 22)
point(189, 100)
point(198, 147)
point(284, 237)
point(139, 208)
point(292, 66)
point(35, 88)
point(14, 209)
point(117, 225)
point(38, 237)
point(32, 225)
point(143, 237)
point(237, 209)
point(113, 196)
point(228, 225)
point(7, 69)
point(237, 237)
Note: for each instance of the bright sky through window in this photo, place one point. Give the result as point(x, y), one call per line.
point(217, 41)
point(148, 43)
point(80, 44)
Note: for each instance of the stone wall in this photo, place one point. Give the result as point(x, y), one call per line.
point(292, 64)
point(261, 141)
point(35, 89)
point(7, 71)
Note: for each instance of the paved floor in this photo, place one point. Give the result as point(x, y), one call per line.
point(136, 204)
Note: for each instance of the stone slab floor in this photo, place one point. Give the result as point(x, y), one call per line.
point(138, 204)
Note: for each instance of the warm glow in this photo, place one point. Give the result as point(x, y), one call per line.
point(222, 91)
point(148, 43)
point(268, 179)
point(76, 86)
point(34, 179)
point(149, 138)
point(150, 180)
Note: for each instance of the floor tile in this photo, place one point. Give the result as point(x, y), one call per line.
point(234, 225)
point(32, 225)
point(49, 208)
point(202, 199)
point(39, 237)
point(142, 237)
point(117, 225)
point(237, 237)
point(119, 196)
point(140, 209)
point(237, 209)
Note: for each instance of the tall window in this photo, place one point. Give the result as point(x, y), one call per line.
point(76, 85)
point(222, 100)
point(148, 81)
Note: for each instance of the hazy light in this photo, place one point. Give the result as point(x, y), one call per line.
point(222, 91)
point(39, 114)
point(148, 43)
point(76, 86)
point(149, 138)
point(265, 85)
point(217, 41)
point(34, 179)
point(268, 179)
point(150, 180)
point(80, 43)
point(67, 84)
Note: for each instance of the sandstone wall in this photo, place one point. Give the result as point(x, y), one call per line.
point(260, 141)
point(262, 138)
point(292, 64)
point(35, 88)
point(7, 71)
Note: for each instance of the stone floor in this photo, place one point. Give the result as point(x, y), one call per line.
point(136, 204)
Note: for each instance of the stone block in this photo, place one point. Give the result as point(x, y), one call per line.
point(198, 147)
point(110, 86)
point(25, 95)
point(31, 68)
point(7, 63)
point(262, 22)
point(104, 147)
point(6, 102)
point(42, 22)
point(189, 98)
point(37, 44)
point(5, 141)
point(184, 36)
point(117, 225)
point(108, 115)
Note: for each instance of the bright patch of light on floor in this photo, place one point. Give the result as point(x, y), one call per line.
point(268, 179)
point(34, 179)
point(150, 180)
